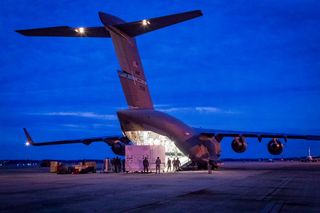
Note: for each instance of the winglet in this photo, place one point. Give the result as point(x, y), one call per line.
point(29, 139)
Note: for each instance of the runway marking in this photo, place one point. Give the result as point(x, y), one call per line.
point(276, 189)
point(274, 206)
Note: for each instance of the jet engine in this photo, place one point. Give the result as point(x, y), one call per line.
point(275, 147)
point(118, 144)
point(239, 144)
point(118, 148)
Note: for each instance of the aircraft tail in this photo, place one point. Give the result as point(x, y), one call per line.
point(131, 75)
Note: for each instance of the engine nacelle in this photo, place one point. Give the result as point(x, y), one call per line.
point(275, 147)
point(118, 145)
point(119, 148)
point(239, 144)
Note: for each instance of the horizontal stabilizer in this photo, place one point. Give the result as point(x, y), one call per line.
point(144, 26)
point(66, 31)
point(131, 29)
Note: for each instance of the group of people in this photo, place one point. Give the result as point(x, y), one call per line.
point(117, 165)
point(146, 165)
point(175, 163)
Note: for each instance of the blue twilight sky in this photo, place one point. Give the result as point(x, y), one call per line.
point(244, 65)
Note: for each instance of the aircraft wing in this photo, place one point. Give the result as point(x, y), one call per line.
point(66, 31)
point(87, 141)
point(259, 135)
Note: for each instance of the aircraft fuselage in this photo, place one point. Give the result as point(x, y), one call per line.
point(185, 138)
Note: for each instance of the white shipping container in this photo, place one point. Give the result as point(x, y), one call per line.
point(135, 155)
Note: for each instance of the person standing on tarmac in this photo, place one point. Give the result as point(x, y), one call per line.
point(169, 165)
point(145, 165)
point(158, 163)
point(123, 165)
point(178, 164)
point(118, 164)
point(115, 165)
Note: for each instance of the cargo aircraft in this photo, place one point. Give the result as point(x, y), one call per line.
point(141, 123)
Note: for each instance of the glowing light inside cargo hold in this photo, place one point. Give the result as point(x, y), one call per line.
point(152, 138)
point(80, 30)
point(145, 22)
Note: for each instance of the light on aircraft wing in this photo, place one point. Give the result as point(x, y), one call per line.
point(27, 143)
point(145, 22)
point(80, 30)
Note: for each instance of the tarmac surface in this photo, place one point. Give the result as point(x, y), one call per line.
point(237, 187)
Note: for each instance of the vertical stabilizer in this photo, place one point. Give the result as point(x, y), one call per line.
point(309, 152)
point(131, 75)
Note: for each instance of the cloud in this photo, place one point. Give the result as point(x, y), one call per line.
point(80, 114)
point(208, 109)
point(161, 105)
point(105, 125)
point(175, 109)
point(95, 125)
point(197, 109)
point(71, 125)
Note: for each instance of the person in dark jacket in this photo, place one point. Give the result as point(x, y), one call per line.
point(178, 164)
point(169, 165)
point(158, 163)
point(145, 165)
